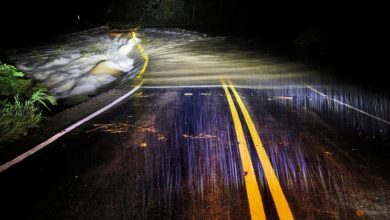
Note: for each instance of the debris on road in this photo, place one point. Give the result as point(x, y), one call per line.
point(200, 136)
point(110, 128)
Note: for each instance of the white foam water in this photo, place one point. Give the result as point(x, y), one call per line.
point(66, 68)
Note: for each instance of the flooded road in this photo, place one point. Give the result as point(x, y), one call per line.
point(218, 130)
point(80, 64)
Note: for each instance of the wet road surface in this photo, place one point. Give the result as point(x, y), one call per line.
point(179, 148)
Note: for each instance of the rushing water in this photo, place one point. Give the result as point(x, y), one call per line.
point(175, 154)
point(187, 59)
point(82, 63)
point(74, 65)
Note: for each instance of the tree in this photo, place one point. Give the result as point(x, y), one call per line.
point(166, 11)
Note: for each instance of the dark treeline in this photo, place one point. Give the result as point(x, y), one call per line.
point(283, 15)
point(348, 32)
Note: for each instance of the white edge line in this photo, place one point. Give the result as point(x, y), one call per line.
point(347, 105)
point(40, 146)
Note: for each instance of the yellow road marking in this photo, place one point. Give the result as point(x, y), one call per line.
point(144, 55)
point(278, 196)
point(252, 188)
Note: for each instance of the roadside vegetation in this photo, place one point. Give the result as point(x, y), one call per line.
point(21, 103)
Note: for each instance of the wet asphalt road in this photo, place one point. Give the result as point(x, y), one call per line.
point(170, 151)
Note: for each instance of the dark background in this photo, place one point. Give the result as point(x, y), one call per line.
point(348, 35)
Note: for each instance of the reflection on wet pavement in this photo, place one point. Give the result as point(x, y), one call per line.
point(171, 151)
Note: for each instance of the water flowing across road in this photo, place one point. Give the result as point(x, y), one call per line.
point(219, 129)
point(80, 63)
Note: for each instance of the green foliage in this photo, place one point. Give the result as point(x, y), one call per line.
point(17, 118)
point(9, 69)
point(40, 97)
point(166, 10)
point(20, 103)
point(12, 83)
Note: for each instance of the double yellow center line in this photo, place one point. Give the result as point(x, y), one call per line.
point(252, 188)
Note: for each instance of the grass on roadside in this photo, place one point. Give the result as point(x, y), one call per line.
point(20, 103)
